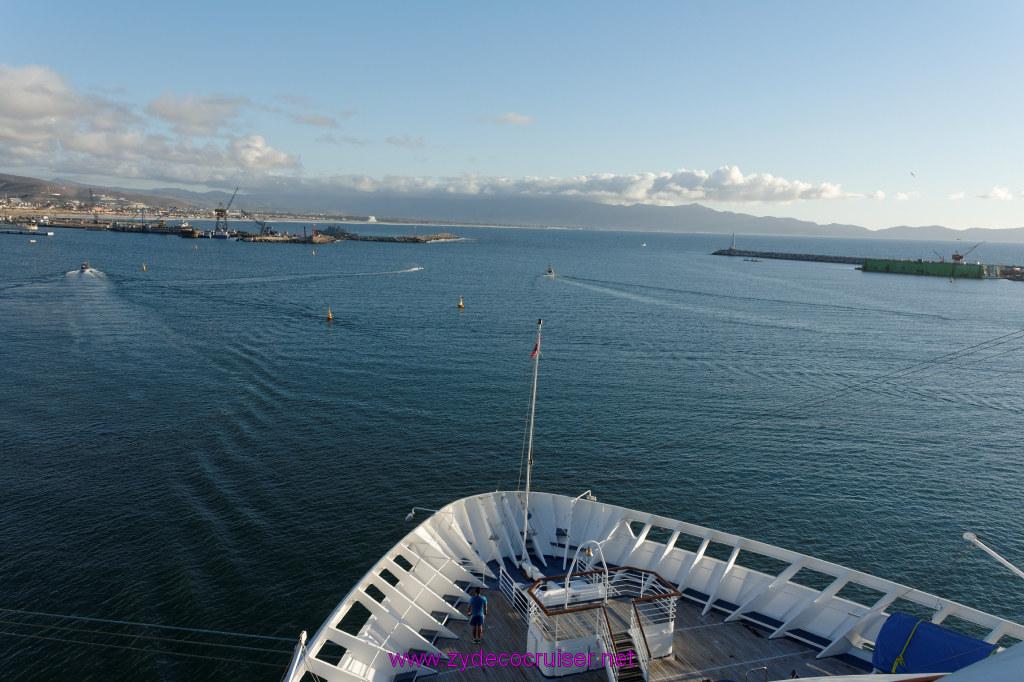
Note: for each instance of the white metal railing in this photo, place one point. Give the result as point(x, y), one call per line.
point(643, 654)
point(568, 625)
point(604, 635)
point(656, 611)
point(522, 604)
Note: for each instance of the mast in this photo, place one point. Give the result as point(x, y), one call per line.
point(529, 448)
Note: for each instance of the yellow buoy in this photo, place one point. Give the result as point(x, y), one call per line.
point(330, 317)
point(143, 267)
point(460, 303)
point(197, 247)
point(314, 253)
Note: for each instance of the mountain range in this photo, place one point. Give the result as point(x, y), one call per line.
point(492, 210)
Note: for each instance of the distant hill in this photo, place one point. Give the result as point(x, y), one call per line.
point(34, 190)
point(495, 210)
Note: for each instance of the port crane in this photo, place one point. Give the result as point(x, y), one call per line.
point(92, 206)
point(958, 258)
point(221, 214)
point(262, 224)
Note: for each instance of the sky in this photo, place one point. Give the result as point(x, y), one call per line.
point(861, 112)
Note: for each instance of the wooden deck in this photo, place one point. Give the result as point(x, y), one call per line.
point(707, 648)
point(704, 648)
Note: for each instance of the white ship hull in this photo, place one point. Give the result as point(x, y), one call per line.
point(413, 600)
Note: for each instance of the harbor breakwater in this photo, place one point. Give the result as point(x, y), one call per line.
point(322, 238)
point(852, 260)
point(901, 267)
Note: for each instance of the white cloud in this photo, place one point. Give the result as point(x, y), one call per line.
point(253, 153)
point(334, 139)
point(508, 119)
point(40, 113)
point(905, 196)
point(999, 193)
point(192, 115)
point(46, 123)
point(306, 114)
point(726, 185)
point(314, 120)
point(405, 141)
point(956, 196)
point(34, 92)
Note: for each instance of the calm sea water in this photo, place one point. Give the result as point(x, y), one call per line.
point(194, 445)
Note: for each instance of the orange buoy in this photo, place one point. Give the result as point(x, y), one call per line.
point(460, 303)
point(330, 318)
point(143, 267)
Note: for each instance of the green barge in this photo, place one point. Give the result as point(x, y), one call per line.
point(924, 267)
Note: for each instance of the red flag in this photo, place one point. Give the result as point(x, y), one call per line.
point(536, 347)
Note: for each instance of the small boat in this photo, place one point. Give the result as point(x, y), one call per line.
point(550, 272)
point(85, 265)
point(580, 586)
point(643, 243)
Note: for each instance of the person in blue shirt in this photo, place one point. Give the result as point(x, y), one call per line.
point(477, 611)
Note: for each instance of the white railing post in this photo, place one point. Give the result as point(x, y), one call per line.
point(636, 631)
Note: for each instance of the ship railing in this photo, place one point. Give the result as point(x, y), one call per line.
point(604, 634)
point(640, 646)
point(654, 596)
point(652, 601)
point(579, 623)
point(522, 604)
point(638, 583)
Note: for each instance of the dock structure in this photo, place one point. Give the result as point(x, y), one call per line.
point(31, 233)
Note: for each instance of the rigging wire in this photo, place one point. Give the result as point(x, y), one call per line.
point(865, 384)
point(9, 624)
point(142, 649)
point(135, 636)
point(145, 625)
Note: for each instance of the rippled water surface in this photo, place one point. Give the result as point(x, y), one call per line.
point(193, 444)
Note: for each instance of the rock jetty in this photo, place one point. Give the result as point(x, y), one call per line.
point(852, 260)
point(341, 236)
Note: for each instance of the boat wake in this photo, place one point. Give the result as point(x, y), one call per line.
point(656, 293)
point(91, 272)
point(296, 277)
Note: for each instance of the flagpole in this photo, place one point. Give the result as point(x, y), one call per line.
point(529, 450)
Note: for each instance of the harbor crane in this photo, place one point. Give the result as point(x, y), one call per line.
point(221, 214)
point(262, 224)
point(92, 206)
point(958, 258)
